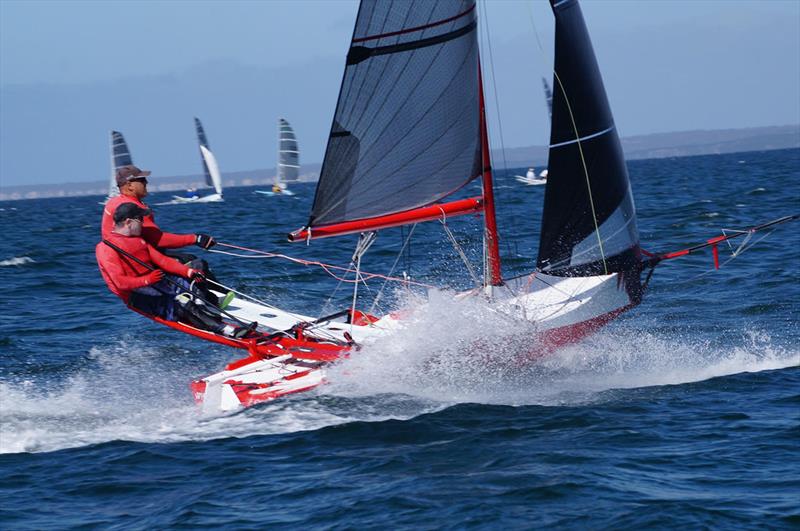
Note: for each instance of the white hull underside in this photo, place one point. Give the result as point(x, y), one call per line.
point(531, 181)
point(556, 302)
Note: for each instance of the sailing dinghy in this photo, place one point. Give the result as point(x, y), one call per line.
point(288, 161)
point(530, 177)
point(409, 131)
point(210, 170)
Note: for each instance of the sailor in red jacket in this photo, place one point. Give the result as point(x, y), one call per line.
point(145, 288)
point(132, 184)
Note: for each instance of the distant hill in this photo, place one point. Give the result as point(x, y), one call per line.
point(660, 145)
point(681, 144)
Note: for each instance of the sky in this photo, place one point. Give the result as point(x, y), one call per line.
point(71, 71)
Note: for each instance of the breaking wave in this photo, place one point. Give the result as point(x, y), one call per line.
point(16, 261)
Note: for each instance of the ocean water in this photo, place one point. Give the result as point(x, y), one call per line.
point(685, 412)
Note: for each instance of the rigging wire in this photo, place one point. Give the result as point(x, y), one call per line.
point(406, 242)
point(741, 248)
point(326, 267)
point(494, 85)
point(460, 251)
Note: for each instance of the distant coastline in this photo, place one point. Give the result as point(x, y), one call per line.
point(653, 146)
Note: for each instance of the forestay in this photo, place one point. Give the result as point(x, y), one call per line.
point(589, 220)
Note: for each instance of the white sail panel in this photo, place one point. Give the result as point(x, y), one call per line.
point(213, 168)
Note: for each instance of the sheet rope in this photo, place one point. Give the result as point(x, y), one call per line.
point(328, 268)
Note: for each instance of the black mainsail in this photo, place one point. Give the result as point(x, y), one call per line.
point(406, 131)
point(589, 220)
point(288, 153)
point(120, 156)
point(202, 142)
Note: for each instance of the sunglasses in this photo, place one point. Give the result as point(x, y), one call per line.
point(142, 180)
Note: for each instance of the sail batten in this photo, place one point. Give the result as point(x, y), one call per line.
point(418, 28)
point(405, 133)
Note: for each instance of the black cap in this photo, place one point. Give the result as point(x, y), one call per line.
point(129, 210)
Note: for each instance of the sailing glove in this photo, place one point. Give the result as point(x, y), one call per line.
point(154, 277)
point(205, 241)
point(196, 276)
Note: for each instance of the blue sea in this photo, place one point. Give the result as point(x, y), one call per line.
point(683, 413)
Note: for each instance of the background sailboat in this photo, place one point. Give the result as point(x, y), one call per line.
point(288, 167)
point(530, 178)
point(120, 156)
point(210, 170)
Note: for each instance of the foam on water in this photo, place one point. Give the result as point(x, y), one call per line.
point(16, 261)
point(133, 392)
point(466, 352)
point(450, 352)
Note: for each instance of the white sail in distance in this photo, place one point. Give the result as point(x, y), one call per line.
point(213, 168)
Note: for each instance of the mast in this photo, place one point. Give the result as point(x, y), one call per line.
point(495, 277)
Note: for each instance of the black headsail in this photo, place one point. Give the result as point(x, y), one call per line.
point(589, 219)
point(406, 129)
point(203, 141)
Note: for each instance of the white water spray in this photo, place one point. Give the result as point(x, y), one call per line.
point(450, 352)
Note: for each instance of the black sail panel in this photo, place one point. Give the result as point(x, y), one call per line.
point(589, 219)
point(203, 141)
point(120, 151)
point(406, 131)
point(548, 97)
point(288, 153)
